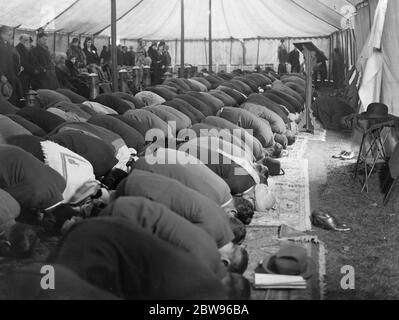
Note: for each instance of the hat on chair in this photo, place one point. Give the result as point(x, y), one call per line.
point(376, 110)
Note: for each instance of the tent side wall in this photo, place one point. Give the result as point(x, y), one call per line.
point(390, 49)
point(345, 40)
point(233, 53)
point(363, 21)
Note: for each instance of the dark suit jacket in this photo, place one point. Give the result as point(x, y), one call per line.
point(186, 202)
point(19, 176)
point(185, 176)
point(261, 130)
point(133, 264)
point(25, 59)
point(170, 227)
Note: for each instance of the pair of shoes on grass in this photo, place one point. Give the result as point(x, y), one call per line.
point(345, 155)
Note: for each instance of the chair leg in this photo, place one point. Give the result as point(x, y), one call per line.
point(359, 158)
point(388, 195)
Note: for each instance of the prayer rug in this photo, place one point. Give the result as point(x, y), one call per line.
point(292, 193)
point(264, 241)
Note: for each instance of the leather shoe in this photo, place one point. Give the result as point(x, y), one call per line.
point(328, 222)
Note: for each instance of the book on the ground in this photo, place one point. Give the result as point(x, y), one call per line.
point(273, 281)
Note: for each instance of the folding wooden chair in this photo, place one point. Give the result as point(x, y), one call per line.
point(373, 141)
point(393, 165)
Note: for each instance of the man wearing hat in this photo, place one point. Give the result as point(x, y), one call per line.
point(45, 77)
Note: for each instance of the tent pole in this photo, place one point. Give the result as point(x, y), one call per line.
point(176, 42)
point(257, 54)
point(210, 36)
point(113, 47)
point(309, 89)
point(54, 43)
point(182, 62)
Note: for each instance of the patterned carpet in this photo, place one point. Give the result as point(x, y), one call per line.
point(293, 209)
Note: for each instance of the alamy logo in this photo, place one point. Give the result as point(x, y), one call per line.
point(48, 279)
point(348, 280)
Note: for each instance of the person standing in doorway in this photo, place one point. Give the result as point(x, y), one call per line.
point(282, 57)
point(131, 57)
point(168, 57)
point(338, 69)
point(163, 62)
point(293, 59)
point(155, 63)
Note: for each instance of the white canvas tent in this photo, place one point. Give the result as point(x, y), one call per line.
point(160, 19)
point(244, 32)
point(376, 34)
point(379, 57)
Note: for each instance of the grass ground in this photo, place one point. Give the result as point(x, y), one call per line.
point(372, 247)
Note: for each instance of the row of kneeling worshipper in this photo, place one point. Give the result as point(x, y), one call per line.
point(142, 216)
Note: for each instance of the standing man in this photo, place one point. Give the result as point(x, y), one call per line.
point(119, 56)
point(45, 77)
point(163, 62)
point(155, 63)
point(338, 69)
point(125, 56)
point(24, 48)
point(293, 59)
point(131, 57)
point(168, 57)
point(282, 57)
point(7, 63)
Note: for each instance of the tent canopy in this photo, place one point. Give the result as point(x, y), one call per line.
point(160, 19)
